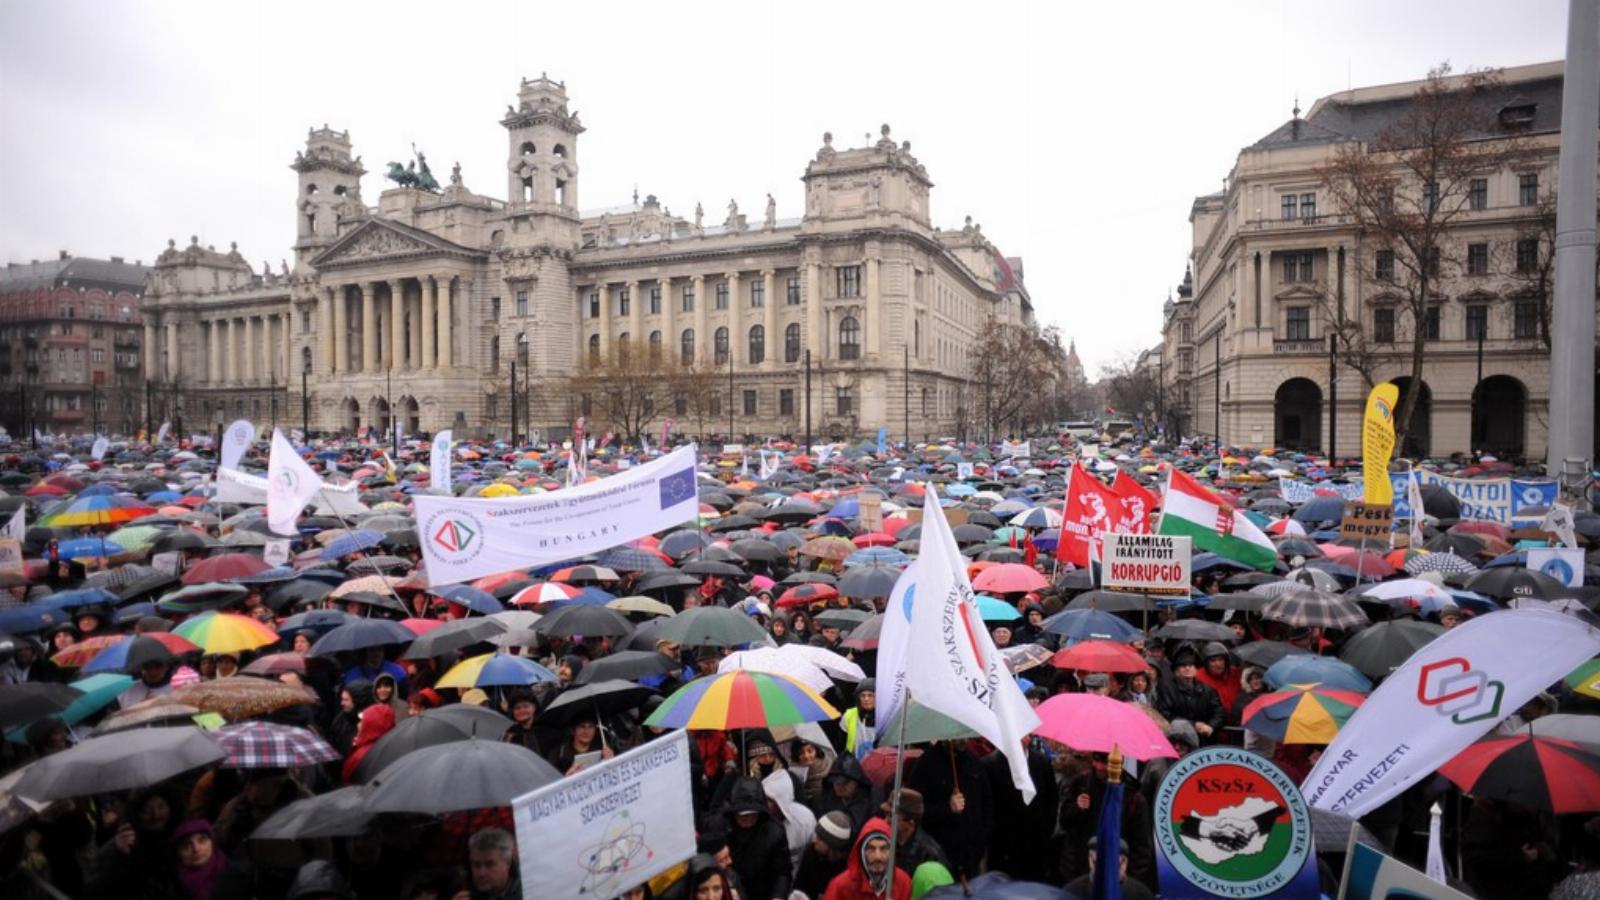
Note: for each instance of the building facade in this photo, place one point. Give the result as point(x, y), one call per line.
point(1247, 342)
point(418, 308)
point(69, 345)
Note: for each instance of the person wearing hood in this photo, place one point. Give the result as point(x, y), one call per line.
point(778, 630)
point(354, 697)
point(319, 879)
point(817, 759)
point(1032, 627)
point(568, 670)
point(860, 722)
point(867, 876)
point(708, 880)
point(1252, 684)
point(584, 736)
point(28, 664)
point(371, 666)
point(201, 861)
point(799, 822)
point(826, 854)
point(386, 690)
point(1218, 671)
point(377, 720)
point(848, 789)
point(759, 848)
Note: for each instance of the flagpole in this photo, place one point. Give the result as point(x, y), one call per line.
point(899, 773)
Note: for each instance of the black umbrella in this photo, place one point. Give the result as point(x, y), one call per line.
point(1380, 649)
point(476, 721)
point(119, 762)
point(1265, 653)
point(301, 590)
point(1458, 542)
point(21, 703)
point(972, 534)
point(1440, 503)
point(1506, 582)
point(758, 550)
point(338, 813)
point(713, 568)
point(656, 581)
point(183, 539)
point(842, 619)
point(710, 626)
point(626, 665)
point(589, 621)
point(596, 698)
point(1244, 601)
point(361, 634)
point(1196, 630)
point(791, 513)
point(454, 635)
point(1112, 601)
point(474, 774)
point(1077, 580)
point(869, 581)
point(680, 543)
point(412, 734)
point(805, 577)
point(734, 523)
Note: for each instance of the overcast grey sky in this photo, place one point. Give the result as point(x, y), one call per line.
point(1076, 133)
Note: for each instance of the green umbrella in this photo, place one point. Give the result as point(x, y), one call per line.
point(137, 538)
point(710, 626)
point(922, 726)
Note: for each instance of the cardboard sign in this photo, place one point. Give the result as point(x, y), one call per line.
point(167, 563)
point(957, 516)
point(1366, 522)
point(1146, 564)
point(872, 512)
point(275, 553)
point(11, 555)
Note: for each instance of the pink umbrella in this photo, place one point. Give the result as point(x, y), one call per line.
point(1095, 724)
point(1009, 578)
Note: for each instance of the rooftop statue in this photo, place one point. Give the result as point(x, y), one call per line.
point(414, 174)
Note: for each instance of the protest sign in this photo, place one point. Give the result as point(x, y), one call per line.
point(169, 563)
point(871, 512)
point(1377, 443)
point(1564, 564)
point(236, 442)
point(1146, 564)
point(11, 555)
point(1302, 491)
point(963, 470)
point(468, 537)
point(1016, 449)
point(275, 553)
point(1367, 522)
point(609, 828)
point(439, 461)
point(1371, 875)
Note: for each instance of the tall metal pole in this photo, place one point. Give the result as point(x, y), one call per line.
point(513, 402)
point(149, 410)
point(1572, 371)
point(808, 400)
point(305, 404)
point(730, 389)
point(1333, 396)
point(1216, 390)
point(907, 379)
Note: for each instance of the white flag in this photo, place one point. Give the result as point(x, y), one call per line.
point(290, 485)
point(1435, 868)
point(235, 441)
point(1414, 500)
point(957, 670)
point(1559, 520)
point(18, 526)
point(101, 445)
point(162, 434)
point(439, 463)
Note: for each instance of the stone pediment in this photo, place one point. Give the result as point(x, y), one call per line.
point(379, 240)
point(1298, 292)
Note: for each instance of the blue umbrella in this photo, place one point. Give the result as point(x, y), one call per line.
point(479, 601)
point(1320, 509)
point(1514, 558)
point(26, 619)
point(321, 620)
point(1205, 561)
point(1326, 670)
point(588, 596)
point(98, 692)
point(361, 634)
point(846, 508)
point(97, 490)
point(1038, 517)
point(877, 556)
point(1090, 624)
point(163, 497)
point(960, 489)
point(352, 542)
point(88, 548)
point(80, 597)
point(993, 609)
point(1047, 540)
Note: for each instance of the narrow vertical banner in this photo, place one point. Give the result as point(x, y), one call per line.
point(609, 828)
point(235, 442)
point(1377, 443)
point(439, 461)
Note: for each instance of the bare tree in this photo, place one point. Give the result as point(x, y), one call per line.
point(1015, 372)
point(1404, 191)
point(627, 390)
point(1130, 387)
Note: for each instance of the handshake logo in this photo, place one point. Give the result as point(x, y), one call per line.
point(1452, 687)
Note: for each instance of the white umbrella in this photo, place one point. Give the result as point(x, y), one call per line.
point(767, 659)
point(826, 660)
point(1408, 588)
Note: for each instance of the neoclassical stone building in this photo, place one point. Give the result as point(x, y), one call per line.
point(418, 307)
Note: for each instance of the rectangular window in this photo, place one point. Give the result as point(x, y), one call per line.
point(722, 295)
point(793, 296)
point(843, 403)
point(749, 403)
point(1307, 273)
point(688, 299)
point(1430, 325)
point(96, 331)
point(848, 281)
point(715, 405)
point(1383, 265)
point(1298, 323)
point(492, 406)
point(1477, 259)
point(1478, 194)
point(1308, 207)
point(655, 301)
point(623, 299)
point(1527, 255)
point(1434, 256)
point(1298, 267)
point(522, 303)
point(1383, 325)
point(680, 405)
point(494, 309)
point(1527, 319)
point(1528, 189)
point(1289, 201)
point(758, 293)
point(1477, 322)
point(594, 304)
point(786, 401)
point(1430, 196)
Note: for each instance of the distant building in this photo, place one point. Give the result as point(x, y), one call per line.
point(70, 337)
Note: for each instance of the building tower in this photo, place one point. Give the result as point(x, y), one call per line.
point(329, 187)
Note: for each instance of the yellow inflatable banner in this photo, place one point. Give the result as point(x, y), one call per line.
point(1377, 443)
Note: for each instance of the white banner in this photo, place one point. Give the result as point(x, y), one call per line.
point(17, 527)
point(1447, 695)
point(291, 484)
point(469, 537)
point(1564, 564)
point(101, 445)
point(161, 435)
point(610, 827)
point(1146, 564)
point(1301, 491)
point(275, 553)
point(235, 442)
point(1016, 449)
point(234, 486)
point(439, 462)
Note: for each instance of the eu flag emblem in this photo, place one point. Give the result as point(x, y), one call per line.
point(677, 487)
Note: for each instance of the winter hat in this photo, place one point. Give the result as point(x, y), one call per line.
point(910, 804)
point(1183, 730)
point(758, 746)
point(836, 830)
point(1214, 648)
point(1096, 680)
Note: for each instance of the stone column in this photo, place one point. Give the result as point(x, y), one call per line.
point(636, 303)
point(814, 341)
point(248, 351)
point(736, 336)
point(414, 335)
point(604, 290)
point(430, 345)
point(340, 335)
point(769, 282)
point(446, 345)
point(173, 366)
point(702, 334)
point(369, 327)
point(397, 324)
point(214, 369)
point(671, 353)
point(150, 348)
point(288, 341)
point(874, 323)
point(230, 349)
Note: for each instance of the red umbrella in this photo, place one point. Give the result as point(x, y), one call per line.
point(874, 539)
point(896, 524)
point(420, 627)
point(221, 568)
point(63, 480)
point(1100, 656)
point(45, 490)
point(807, 594)
point(1551, 774)
point(1368, 564)
point(1009, 578)
point(1492, 529)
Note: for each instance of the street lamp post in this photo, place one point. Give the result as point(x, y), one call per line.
point(808, 400)
point(1333, 395)
point(305, 404)
point(730, 389)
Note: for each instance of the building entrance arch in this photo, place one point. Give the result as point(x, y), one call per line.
point(1297, 415)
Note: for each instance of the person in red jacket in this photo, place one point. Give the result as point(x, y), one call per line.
point(1220, 673)
point(377, 720)
point(867, 877)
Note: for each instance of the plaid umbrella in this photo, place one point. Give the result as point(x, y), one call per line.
point(1311, 608)
point(266, 745)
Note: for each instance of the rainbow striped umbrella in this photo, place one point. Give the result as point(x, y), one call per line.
point(1301, 713)
point(230, 633)
point(115, 509)
point(741, 699)
point(495, 670)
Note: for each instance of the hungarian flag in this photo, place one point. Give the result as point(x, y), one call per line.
point(1136, 500)
point(1193, 511)
point(1092, 509)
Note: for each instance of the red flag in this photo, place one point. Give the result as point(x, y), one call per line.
point(1092, 509)
point(1030, 551)
point(1136, 500)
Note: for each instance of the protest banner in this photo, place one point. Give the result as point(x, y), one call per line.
point(1146, 564)
point(1366, 522)
point(1302, 491)
point(235, 442)
point(439, 461)
point(1371, 875)
point(1377, 443)
point(871, 512)
point(468, 537)
point(1564, 564)
point(275, 553)
point(1448, 694)
point(1016, 449)
point(609, 828)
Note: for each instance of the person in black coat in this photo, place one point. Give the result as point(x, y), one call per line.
point(1019, 844)
point(827, 855)
point(1184, 696)
point(960, 809)
point(759, 847)
point(846, 788)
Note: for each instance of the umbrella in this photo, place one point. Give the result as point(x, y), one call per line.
point(1311, 608)
point(97, 510)
point(226, 633)
point(1324, 670)
point(1265, 653)
point(1195, 630)
point(268, 745)
point(1380, 649)
point(88, 548)
point(1084, 624)
point(632, 559)
point(812, 592)
point(352, 542)
point(866, 581)
point(79, 598)
point(1448, 563)
point(223, 567)
point(1301, 714)
point(412, 734)
point(921, 726)
point(1244, 602)
point(241, 696)
point(495, 670)
point(361, 634)
point(1546, 773)
point(834, 549)
point(1096, 724)
point(587, 573)
point(641, 605)
point(1100, 656)
point(131, 655)
point(842, 619)
point(865, 635)
point(22, 703)
point(274, 664)
point(627, 665)
point(1112, 601)
point(474, 720)
point(771, 659)
point(1009, 578)
point(741, 699)
point(993, 609)
point(119, 762)
point(454, 635)
point(543, 592)
point(597, 699)
point(588, 621)
point(1583, 730)
point(710, 626)
point(1507, 582)
point(474, 774)
point(338, 813)
point(97, 692)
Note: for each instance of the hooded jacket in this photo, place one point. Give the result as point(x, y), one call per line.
point(377, 720)
point(854, 883)
point(761, 852)
point(798, 821)
point(342, 730)
point(859, 807)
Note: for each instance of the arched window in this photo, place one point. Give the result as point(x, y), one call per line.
point(522, 350)
point(719, 344)
point(758, 344)
point(791, 343)
point(686, 347)
point(655, 346)
point(559, 150)
point(594, 349)
point(528, 149)
point(849, 338)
